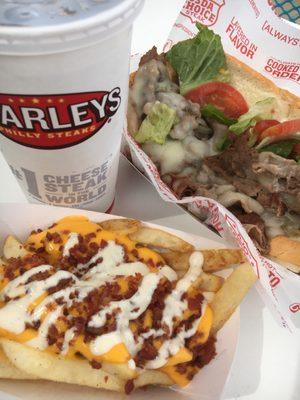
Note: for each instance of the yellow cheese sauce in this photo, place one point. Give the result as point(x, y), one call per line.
point(91, 292)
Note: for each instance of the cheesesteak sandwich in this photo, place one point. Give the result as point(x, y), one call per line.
point(114, 305)
point(216, 128)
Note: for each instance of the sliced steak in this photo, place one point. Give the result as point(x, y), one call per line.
point(255, 228)
point(270, 179)
point(235, 165)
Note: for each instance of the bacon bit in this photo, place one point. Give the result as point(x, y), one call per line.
point(135, 253)
point(60, 301)
point(129, 386)
point(98, 261)
point(151, 263)
point(49, 236)
point(56, 237)
point(16, 265)
point(50, 227)
point(93, 246)
point(53, 334)
point(194, 303)
point(40, 250)
point(79, 324)
point(90, 236)
point(63, 283)
point(203, 354)
point(39, 276)
point(103, 244)
point(95, 364)
point(65, 231)
point(148, 352)
point(73, 295)
point(181, 368)
point(34, 232)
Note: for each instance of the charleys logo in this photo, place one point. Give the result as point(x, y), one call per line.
point(56, 121)
point(204, 11)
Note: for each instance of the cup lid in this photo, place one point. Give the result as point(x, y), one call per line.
point(47, 26)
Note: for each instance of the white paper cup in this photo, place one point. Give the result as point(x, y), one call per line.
point(64, 86)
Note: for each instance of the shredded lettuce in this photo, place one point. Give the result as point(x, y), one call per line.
point(283, 148)
point(259, 111)
point(210, 111)
point(157, 125)
point(199, 60)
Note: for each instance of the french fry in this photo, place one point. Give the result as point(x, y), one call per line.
point(51, 367)
point(215, 260)
point(231, 294)
point(13, 248)
point(210, 282)
point(152, 377)
point(178, 261)
point(123, 226)
point(157, 238)
point(120, 370)
point(18, 361)
point(9, 371)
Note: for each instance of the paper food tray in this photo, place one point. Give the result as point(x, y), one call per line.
point(20, 220)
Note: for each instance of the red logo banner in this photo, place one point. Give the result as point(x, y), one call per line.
point(56, 121)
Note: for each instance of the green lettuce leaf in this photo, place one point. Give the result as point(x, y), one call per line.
point(259, 111)
point(199, 60)
point(210, 111)
point(224, 143)
point(157, 125)
point(283, 148)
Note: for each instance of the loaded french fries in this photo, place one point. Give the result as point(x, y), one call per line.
point(114, 305)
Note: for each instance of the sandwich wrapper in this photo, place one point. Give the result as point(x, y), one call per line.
point(256, 36)
point(19, 220)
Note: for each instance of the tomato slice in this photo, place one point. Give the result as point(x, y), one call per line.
point(281, 131)
point(265, 124)
point(222, 96)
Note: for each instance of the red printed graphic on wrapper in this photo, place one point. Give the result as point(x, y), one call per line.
point(239, 39)
point(295, 307)
point(283, 69)
point(56, 121)
point(276, 33)
point(204, 11)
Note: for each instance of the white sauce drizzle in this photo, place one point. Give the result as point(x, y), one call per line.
point(69, 335)
point(174, 306)
point(41, 342)
point(129, 309)
point(109, 265)
point(71, 242)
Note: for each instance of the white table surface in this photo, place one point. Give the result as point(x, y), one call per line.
point(267, 362)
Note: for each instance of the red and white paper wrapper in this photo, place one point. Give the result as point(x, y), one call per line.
point(255, 35)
